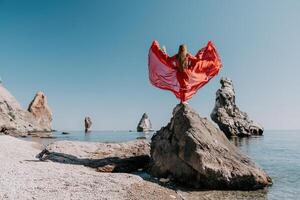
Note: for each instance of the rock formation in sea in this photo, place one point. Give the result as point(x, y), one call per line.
point(192, 151)
point(16, 121)
point(144, 124)
point(105, 157)
point(87, 124)
point(41, 111)
point(230, 119)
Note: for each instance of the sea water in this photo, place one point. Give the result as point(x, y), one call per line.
point(277, 152)
point(94, 136)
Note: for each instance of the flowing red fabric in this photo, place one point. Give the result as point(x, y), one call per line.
point(164, 74)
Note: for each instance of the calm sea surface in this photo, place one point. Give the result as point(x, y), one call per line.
point(277, 152)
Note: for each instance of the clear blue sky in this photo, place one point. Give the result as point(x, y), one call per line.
point(90, 57)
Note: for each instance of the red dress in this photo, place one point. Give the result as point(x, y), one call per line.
point(164, 74)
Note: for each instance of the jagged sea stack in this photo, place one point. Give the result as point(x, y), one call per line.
point(14, 120)
point(228, 116)
point(144, 124)
point(87, 124)
point(41, 111)
point(193, 152)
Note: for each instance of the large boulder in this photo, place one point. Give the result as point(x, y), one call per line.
point(230, 119)
point(105, 157)
point(193, 152)
point(14, 120)
point(144, 124)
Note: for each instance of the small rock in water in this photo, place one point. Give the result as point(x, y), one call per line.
point(87, 124)
point(65, 133)
point(228, 116)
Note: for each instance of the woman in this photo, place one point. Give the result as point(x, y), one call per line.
point(183, 73)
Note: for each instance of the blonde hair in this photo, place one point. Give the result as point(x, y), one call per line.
point(182, 57)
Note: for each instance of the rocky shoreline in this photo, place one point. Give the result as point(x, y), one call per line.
point(190, 152)
point(33, 179)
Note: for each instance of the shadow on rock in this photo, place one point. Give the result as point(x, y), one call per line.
point(110, 164)
point(105, 157)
